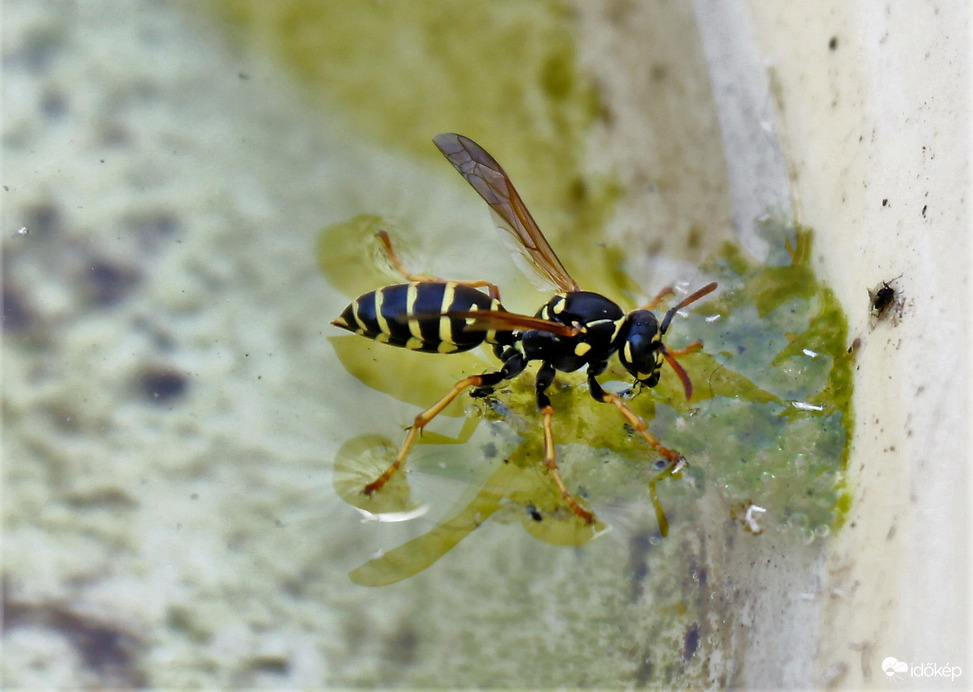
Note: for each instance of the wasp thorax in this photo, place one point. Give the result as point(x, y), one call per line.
point(640, 347)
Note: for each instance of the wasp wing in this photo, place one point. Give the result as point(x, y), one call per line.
point(491, 182)
point(496, 320)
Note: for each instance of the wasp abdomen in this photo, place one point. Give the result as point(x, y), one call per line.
point(415, 316)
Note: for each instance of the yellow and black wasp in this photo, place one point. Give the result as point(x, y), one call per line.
point(573, 329)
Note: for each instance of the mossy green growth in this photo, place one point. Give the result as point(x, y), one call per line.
point(503, 73)
point(771, 415)
point(402, 69)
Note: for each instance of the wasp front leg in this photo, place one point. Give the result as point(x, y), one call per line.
point(633, 419)
point(492, 289)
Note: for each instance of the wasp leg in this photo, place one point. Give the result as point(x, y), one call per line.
point(487, 380)
point(632, 418)
point(514, 363)
point(545, 376)
point(396, 263)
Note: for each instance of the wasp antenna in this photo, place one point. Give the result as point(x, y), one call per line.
point(705, 290)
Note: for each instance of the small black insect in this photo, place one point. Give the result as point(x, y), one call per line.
point(886, 301)
point(574, 329)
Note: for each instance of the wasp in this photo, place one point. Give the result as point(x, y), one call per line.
point(573, 329)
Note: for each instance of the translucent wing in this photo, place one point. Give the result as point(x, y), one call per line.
point(487, 177)
point(497, 320)
point(493, 320)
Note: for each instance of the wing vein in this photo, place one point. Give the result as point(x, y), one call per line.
point(488, 178)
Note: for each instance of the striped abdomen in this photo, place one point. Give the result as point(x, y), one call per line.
point(413, 316)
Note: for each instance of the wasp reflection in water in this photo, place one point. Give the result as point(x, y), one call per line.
point(515, 491)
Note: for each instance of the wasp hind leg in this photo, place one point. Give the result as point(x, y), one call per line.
point(545, 376)
point(486, 380)
point(492, 289)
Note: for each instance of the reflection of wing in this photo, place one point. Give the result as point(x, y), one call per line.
point(509, 485)
point(496, 320)
point(419, 553)
point(487, 177)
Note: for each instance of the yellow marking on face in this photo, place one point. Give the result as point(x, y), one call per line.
point(627, 350)
point(618, 326)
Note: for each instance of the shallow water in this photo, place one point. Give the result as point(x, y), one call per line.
point(178, 413)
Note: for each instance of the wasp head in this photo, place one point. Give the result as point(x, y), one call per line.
point(640, 347)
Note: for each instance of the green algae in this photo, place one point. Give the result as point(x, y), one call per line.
point(503, 73)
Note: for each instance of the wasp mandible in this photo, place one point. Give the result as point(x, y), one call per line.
point(573, 329)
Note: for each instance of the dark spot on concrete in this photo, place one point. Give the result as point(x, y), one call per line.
point(17, 314)
point(833, 43)
point(105, 649)
point(639, 548)
point(107, 283)
point(643, 674)
point(275, 665)
point(115, 135)
point(690, 641)
point(53, 105)
point(153, 227)
point(402, 647)
point(114, 499)
point(43, 218)
point(39, 51)
point(162, 384)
